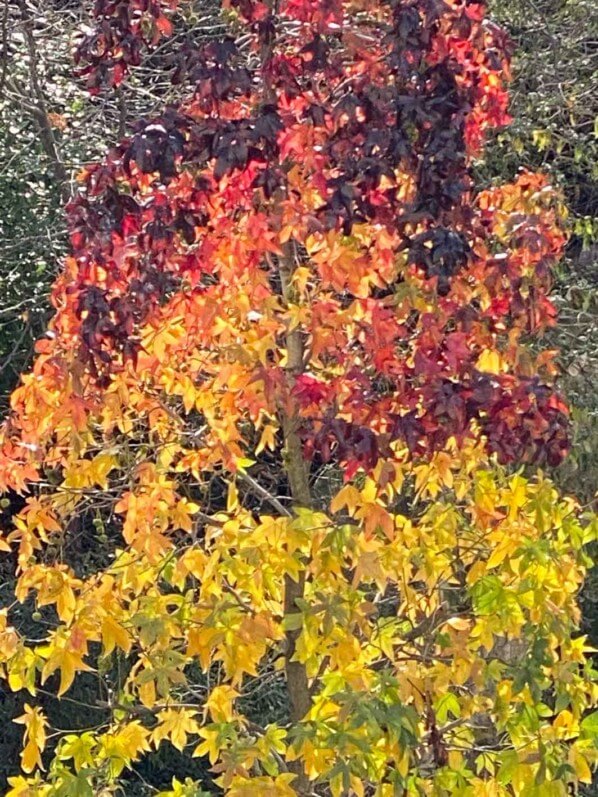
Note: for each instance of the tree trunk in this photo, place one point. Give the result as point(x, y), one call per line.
point(298, 475)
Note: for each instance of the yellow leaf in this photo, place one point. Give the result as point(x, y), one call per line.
point(348, 496)
point(67, 661)
point(22, 670)
point(455, 759)
point(232, 500)
point(100, 467)
point(211, 745)
point(580, 765)
point(220, 703)
point(489, 362)
point(194, 561)
point(79, 747)
point(267, 439)
point(518, 496)
point(243, 463)
point(114, 634)
point(175, 725)
point(23, 787)
point(502, 550)
point(262, 786)
point(124, 745)
point(564, 719)
point(34, 738)
point(147, 693)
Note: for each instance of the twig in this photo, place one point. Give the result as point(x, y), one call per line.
point(263, 493)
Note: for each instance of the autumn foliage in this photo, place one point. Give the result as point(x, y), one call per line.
point(282, 399)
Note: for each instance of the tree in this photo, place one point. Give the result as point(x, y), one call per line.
point(289, 381)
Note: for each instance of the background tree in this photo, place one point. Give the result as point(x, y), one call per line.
point(271, 272)
point(554, 130)
point(50, 126)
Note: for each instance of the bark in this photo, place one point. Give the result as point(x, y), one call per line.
point(298, 475)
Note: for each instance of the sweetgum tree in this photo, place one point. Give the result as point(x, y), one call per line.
point(278, 407)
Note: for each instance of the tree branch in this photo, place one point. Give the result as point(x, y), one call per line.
point(39, 109)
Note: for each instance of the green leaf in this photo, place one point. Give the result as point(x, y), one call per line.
point(487, 595)
point(589, 725)
point(448, 704)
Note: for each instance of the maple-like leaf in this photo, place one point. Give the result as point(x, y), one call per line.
point(175, 724)
point(35, 724)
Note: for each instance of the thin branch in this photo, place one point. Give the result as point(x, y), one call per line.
point(47, 138)
point(263, 493)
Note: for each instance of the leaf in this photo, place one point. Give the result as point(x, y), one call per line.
point(175, 725)
point(100, 467)
point(22, 787)
point(447, 705)
point(220, 703)
point(60, 656)
point(267, 439)
point(78, 747)
point(580, 765)
point(459, 623)
point(189, 788)
point(489, 362)
point(348, 497)
point(122, 746)
point(211, 745)
point(164, 25)
point(35, 724)
point(279, 786)
point(487, 594)
point(113, 634)
point(589, 725)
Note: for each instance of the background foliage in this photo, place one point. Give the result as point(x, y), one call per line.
point(555, 129)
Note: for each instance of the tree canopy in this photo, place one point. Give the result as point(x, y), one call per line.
point(284, 408)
